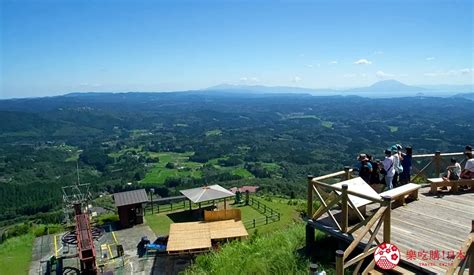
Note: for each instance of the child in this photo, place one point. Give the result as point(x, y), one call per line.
point(453, 171)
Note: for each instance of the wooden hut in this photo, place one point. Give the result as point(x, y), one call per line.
point(130, 206)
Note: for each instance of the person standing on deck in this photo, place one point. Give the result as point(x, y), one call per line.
point(388, 166)
point(468, 172)
point(406, 164)
point(397, 159)
point(364, 167)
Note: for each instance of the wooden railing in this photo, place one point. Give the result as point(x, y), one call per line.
point(328, 198)
point(461, 263)
point(432, 164)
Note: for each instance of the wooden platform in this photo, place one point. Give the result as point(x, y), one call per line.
point(433, 223)
point(193, 237)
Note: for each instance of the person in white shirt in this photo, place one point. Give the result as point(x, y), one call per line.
point(468, 172)
point(388, 166)
point(453, 171)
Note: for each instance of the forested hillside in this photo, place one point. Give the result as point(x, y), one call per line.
point(171, 141)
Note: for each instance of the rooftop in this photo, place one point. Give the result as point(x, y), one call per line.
point(130, 197)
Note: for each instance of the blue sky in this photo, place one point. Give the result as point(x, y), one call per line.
point(56, 47)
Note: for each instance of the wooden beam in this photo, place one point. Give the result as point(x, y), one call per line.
point(369, 243)
point(360, 257)
point(310, 196)
point(369, 267)
point(332, 200)
point(328, 176)
point(387, 219)
point(362, 234)
point(325, 205)
point(344, 209)
point(442, 154)
point(437, 162)
point(347, 171)
point(362, 218)
point(339, 262)
point(329, 186)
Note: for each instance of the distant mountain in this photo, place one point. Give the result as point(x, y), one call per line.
point(469, 96)
point(468, 88)
point(269, 89)
point(386, 87)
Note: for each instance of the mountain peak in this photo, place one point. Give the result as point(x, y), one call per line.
point(392, 85)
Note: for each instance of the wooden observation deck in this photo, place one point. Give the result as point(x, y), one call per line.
point(433, 233)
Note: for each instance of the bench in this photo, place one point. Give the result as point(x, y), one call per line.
point(435, 183)
point(399, 194)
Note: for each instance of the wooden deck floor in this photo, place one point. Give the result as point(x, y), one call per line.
point(433, 223)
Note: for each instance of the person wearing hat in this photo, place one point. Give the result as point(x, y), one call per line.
point(388, 168)
point(365, 167)
point(468, 172)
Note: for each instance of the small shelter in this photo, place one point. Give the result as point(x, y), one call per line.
point(130, 206)
point(207, 193)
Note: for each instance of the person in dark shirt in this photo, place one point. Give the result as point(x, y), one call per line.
point(365, 168)
point(406, 164)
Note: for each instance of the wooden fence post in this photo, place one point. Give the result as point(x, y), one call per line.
point(348, 172)
point(387, 201)
point(266, 219)
point(310, 196)
point(344, 209)
point(158, 206)
point(309, 238)
point(339, 262)
point(437, 163)
point(253, 223)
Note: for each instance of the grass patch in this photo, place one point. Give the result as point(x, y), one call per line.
point(15, 255)
point(393, 129)
point(212, 133)
point(270, 254)
point(184, 168)
point(159, 223)
point(242, 172)
point(327, 124)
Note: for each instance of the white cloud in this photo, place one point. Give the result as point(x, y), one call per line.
point(382, 75)
point(254, 79)
point(363, 61)
point(249, 79)
point(90, 85)
point(377, 53)
point(431, 58)
point(464, 71)
point(310, 66)
point(296, 79)
point(334, 62)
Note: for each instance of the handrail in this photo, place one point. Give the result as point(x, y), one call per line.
point(336, 188)
point(441, 154)
point(331, 195)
